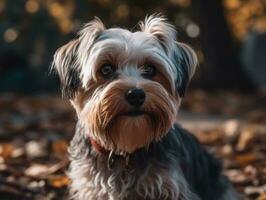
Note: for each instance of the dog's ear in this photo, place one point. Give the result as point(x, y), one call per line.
point(66, 67)
point(163, 31)
point(69, 59)
point(87, 37)
point(185, 60)
point(183, 57)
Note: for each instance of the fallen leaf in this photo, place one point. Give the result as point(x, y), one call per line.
point(60, 148)
point(36, 170)
point(247, 158)
point(6, 150)
point(245, 139)
point(36, 149)
point(262, 196)
point(250, 190)
point(58, 181)
point(237, 176)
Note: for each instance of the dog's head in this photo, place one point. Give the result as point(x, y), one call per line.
point(125, 86)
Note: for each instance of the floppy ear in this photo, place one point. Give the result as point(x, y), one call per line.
point(67, 68)
point(87, 37)
point(69, 59)
point(185, 60)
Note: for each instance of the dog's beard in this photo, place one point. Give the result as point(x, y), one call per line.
point(110, 121)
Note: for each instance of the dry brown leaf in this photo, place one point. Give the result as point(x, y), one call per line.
point(60, 147)
point(245, 139)
point(237, 176)
point(262, 196)
point(41, 170)
point(209, 137)
point(58, 181)
point(257, 116)
point(37, 170)
point(247, 158)
point(6, 150)
point(250, 190)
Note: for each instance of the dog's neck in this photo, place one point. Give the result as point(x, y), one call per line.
point(98, 147)
point(112, 157)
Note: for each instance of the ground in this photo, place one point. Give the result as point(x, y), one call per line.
point(35, 131)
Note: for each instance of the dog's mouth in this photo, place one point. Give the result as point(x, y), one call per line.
point(134, 113)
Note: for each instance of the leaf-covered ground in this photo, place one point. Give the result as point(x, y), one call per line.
point(34, 134)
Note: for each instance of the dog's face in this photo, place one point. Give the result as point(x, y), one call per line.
point(125, 86)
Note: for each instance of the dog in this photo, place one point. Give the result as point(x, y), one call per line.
point(126, 88)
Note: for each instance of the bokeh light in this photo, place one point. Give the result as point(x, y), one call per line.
point(122, 11)
point(32, 6)
point(182, 3)
point(244, 16)
point(193, 30)
point(10, 35)
point(2, 6)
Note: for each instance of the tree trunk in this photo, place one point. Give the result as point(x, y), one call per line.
point(222, 69)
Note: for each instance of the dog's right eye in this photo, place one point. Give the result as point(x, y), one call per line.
point(107, 70)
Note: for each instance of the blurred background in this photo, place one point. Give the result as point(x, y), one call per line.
point(225, 107)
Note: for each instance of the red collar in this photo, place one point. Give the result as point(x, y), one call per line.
point(98, 147)
point(111, 156)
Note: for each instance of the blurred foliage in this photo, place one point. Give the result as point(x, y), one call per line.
point(31, 30)
point(244, 16)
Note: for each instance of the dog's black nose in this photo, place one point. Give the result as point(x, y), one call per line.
point(135, 97)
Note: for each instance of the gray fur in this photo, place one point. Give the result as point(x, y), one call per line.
point(158, 179)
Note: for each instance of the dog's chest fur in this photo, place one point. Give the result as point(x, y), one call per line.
point(176, 168)
point(154, 183)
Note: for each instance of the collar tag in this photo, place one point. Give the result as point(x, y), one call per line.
point(111, 160)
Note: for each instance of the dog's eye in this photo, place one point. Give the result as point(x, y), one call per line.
point(107, 70)
point(148, 71)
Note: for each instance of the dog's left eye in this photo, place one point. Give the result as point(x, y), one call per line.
point(148, 71)
point(107, 70)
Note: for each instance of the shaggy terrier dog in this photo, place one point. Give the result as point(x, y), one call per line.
point(126, 88)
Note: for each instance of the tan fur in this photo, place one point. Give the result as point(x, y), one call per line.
point(104, 115)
